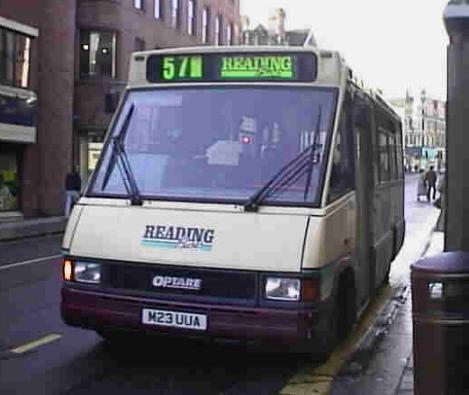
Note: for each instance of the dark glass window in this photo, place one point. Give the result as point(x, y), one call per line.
point(97, 54)
point(343, 166)
point(383, 156)
point(392, 157)
point(15, 50)
point(386, 147)
point(221, 143)
point(399, 152)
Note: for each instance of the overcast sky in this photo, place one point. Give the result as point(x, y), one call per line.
point(391, 44)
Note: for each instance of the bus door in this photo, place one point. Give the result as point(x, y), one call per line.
point(362, 120)
point(383, 208)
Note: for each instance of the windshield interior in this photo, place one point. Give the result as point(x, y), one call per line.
point(219, 143)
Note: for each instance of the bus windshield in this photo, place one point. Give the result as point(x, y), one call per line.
point(218, 143)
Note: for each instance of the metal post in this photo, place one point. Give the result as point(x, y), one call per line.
point(457, 133)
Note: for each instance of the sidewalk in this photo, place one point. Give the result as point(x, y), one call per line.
point(406, 385)
point(32, 228)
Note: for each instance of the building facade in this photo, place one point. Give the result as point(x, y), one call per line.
point(77, 54)
point(275, 32)
point(424, 121)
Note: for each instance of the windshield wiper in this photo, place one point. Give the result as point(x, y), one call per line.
point(119, 153)
point(302, 164)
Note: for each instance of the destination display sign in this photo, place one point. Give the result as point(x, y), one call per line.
point(232, 67)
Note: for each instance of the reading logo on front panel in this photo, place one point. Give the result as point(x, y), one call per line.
point(178, 237)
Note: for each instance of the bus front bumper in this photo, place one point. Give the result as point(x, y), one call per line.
point(95, 310)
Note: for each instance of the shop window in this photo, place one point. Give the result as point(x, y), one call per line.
point(205, 25)
point(15, 60)
point(97, 54)
point(8, 178)
point(90, 148)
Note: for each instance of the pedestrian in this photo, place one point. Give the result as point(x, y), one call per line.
point(5, 194)
point(441, 204)
point(430, 178)
point(421, 185)
point(72, 190)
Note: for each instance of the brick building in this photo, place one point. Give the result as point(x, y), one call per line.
point(73, 54)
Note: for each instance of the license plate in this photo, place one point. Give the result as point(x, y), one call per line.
point(174, 319)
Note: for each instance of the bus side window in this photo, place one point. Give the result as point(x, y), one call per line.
point(342, 178)
point(399, 153)
point(392, 157)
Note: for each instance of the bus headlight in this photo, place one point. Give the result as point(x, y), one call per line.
point(87, 272)
point(282, 289)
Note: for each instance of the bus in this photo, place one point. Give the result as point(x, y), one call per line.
point(250, 194)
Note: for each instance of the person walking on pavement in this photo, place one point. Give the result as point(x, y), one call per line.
point(5, 194)
point(72, 190)
point(430, 178)
point(421, 185)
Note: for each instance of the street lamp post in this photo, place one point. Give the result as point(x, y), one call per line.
point(456, 17)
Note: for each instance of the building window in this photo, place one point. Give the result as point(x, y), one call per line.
point(229, 34)
point(218, 30)
point(175, 13)
point(97, 54)
point(191, 18)
point(158, 10)
point(138, 4)
point(205, 25)
point(15, 51)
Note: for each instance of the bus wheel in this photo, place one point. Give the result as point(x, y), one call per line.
point(345, 306)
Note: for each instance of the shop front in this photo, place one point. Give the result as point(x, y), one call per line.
point(17, 130)
point(90, 145)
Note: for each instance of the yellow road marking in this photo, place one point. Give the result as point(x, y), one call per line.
point(317, 380)
point(36, 343)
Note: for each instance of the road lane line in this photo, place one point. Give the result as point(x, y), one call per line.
point(30, 261)
point(36, 343)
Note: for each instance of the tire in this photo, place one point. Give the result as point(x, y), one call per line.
point(345, 307)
